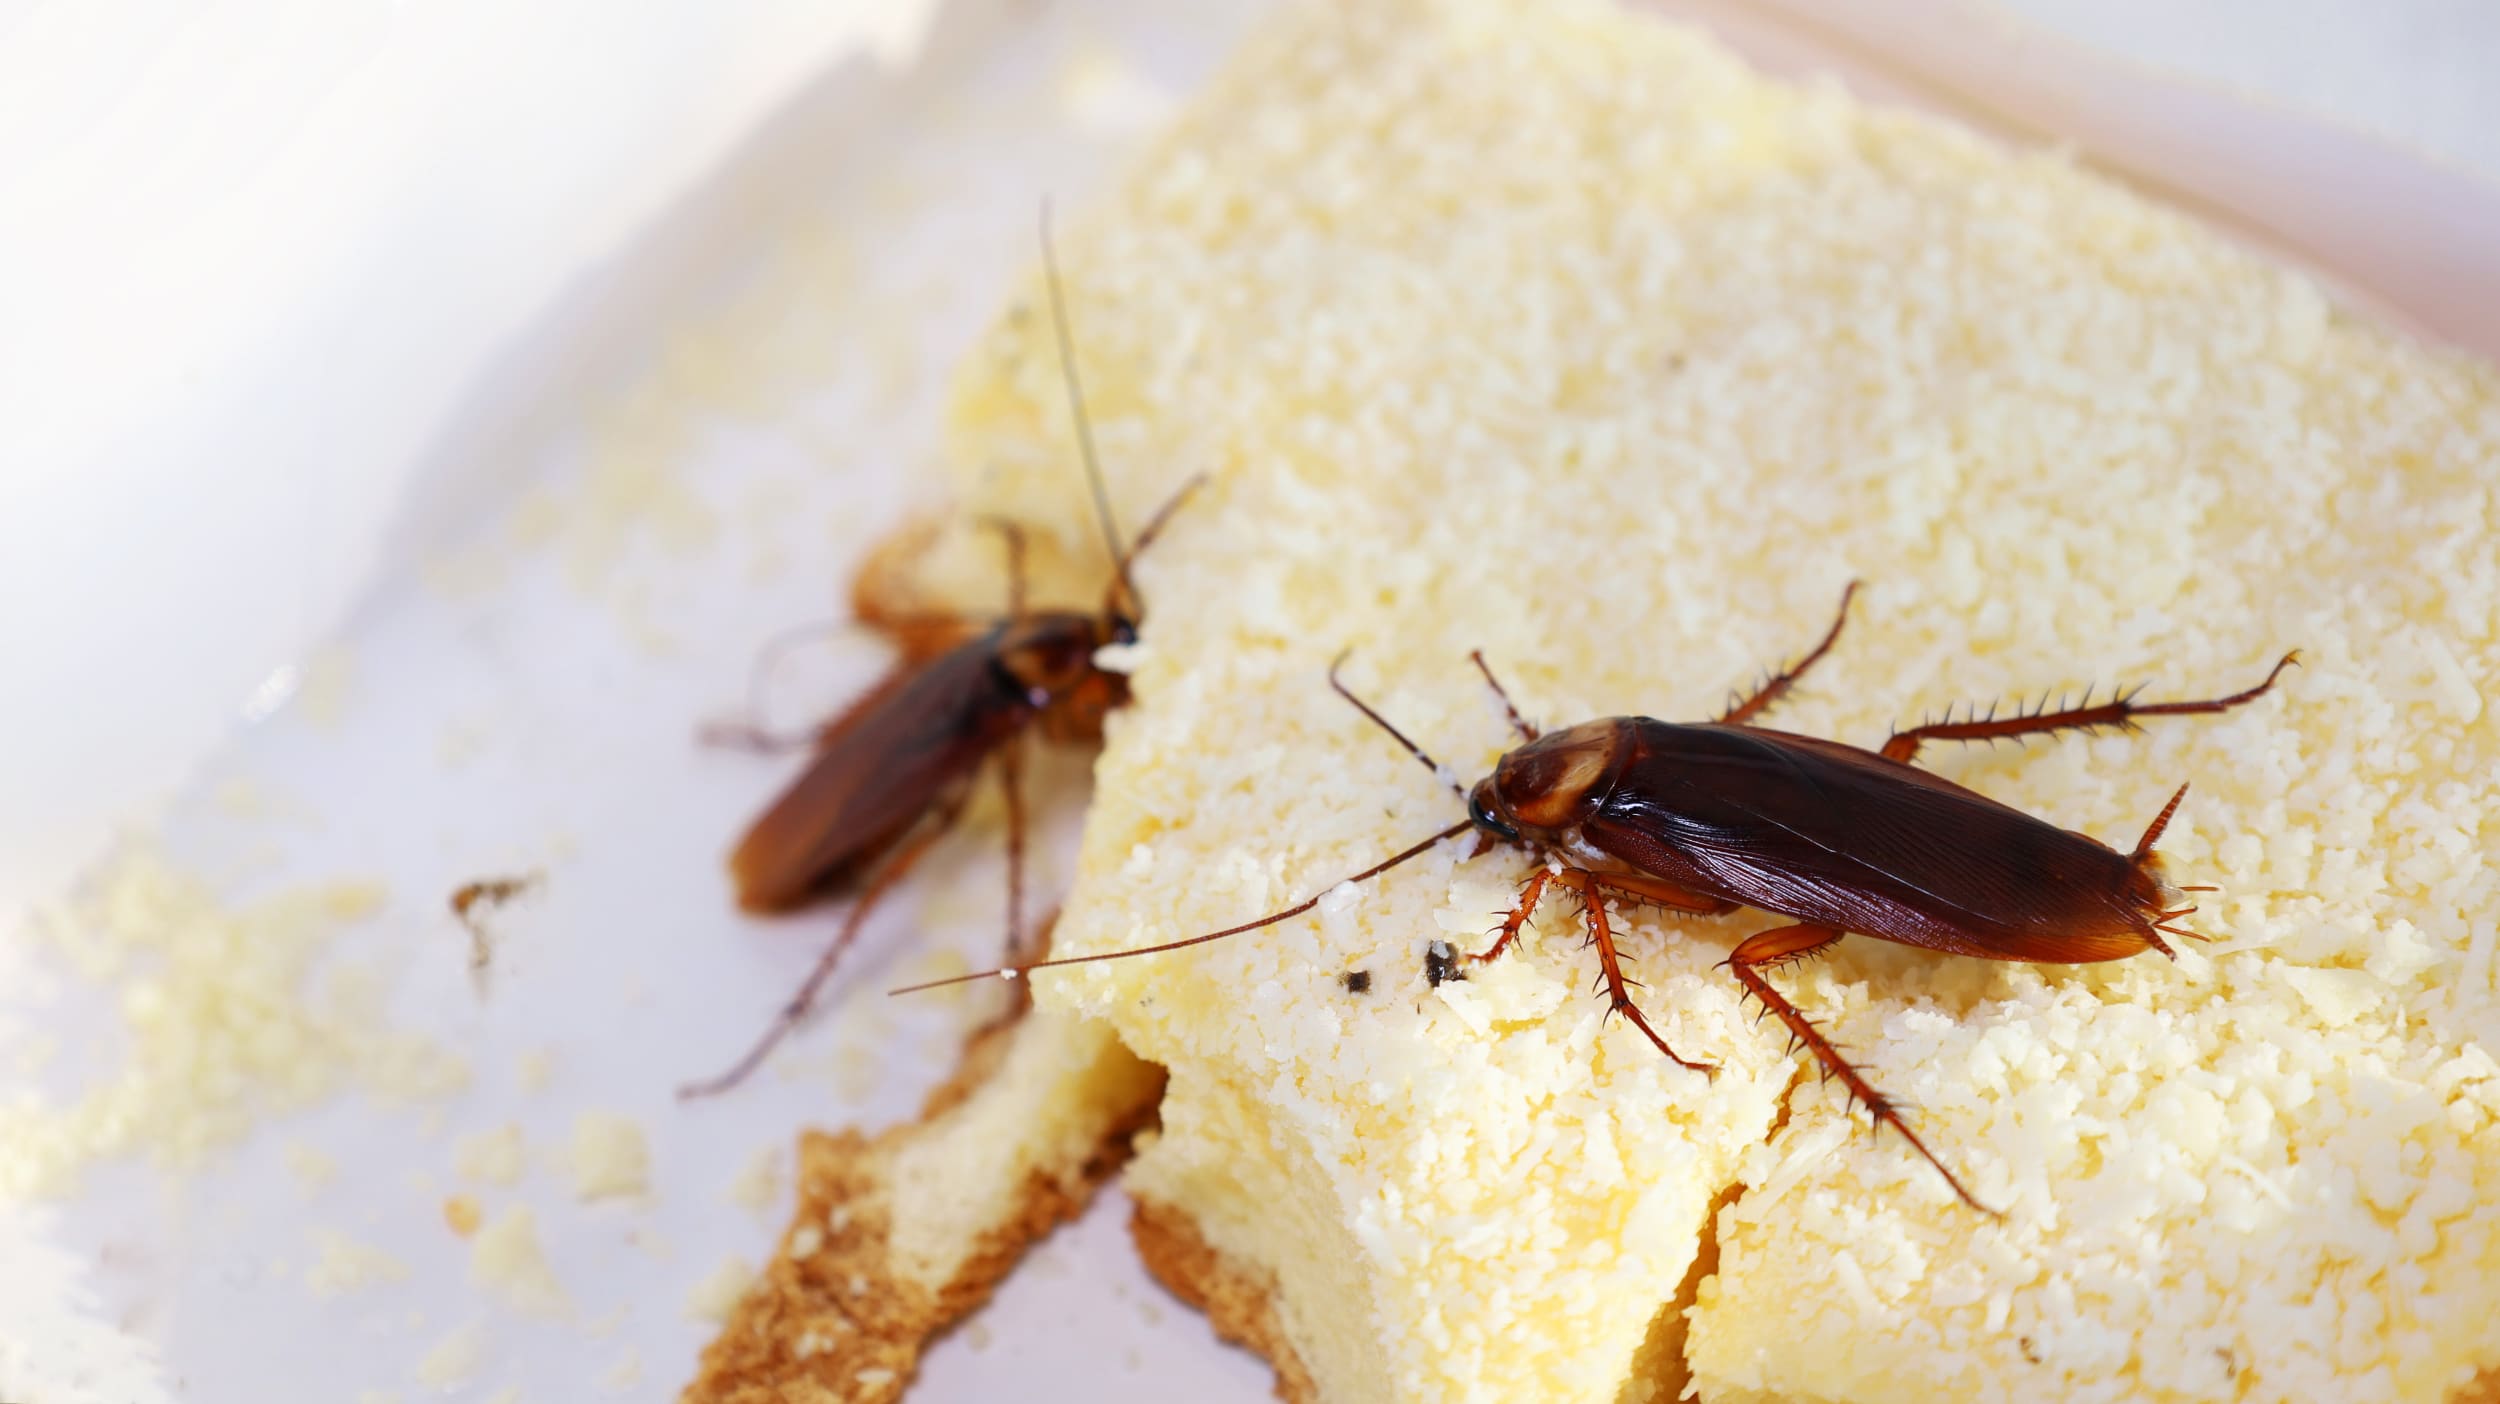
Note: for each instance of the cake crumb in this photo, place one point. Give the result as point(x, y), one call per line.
point(311, 1166)
point(461, 1213)
point(344, 1265)
point(625, 1373)
point(496, 1157)
point(610, 1157)
point(506, 1258)
point(805, 1241)
point(713, 1298)
point(222, 1021)
point(453, 1359)
point(758, 1186)
point(536, 1069)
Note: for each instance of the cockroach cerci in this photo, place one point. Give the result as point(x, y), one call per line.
point(1704, 818)
point(893, 773)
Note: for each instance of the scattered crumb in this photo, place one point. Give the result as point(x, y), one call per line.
point(223, 1021)
point(977, 1336)
point(311, 1166)
point(345, 1265)
point(462, 1214)
point(506, 1258)
point(453, 1359)
point(805, 1241)
point(713, 1297)
point(496, 1157)
point(625, 1373)
point(874, 1377)
point(466, 903)
point(758, 1186)
point(610, 1157)
point(856, 1069)
point(536, 1069)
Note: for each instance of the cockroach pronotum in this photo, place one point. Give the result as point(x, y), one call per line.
point(1708, 817)
point(893, 772)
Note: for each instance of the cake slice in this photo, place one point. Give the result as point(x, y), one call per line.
point(900, 1235)
point(1556, 332)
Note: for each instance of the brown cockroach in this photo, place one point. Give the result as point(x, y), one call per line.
point(1709, 817)
point(893, 772)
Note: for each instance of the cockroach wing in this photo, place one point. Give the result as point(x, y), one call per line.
point(909, 742)
point(1829, 833)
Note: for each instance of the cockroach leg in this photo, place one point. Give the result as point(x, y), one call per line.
point(1778, 685)
point(1610, 965)
point(1530, 893)
point(1011, 534)
point(746, 736)
point(2119, 712)
point(1518, 723)
point(1011, 786)
point(1787, 945)
point(895, 868)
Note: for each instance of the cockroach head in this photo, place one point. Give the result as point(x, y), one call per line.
point(1549, 784)
point(1484, 811)
point(1049, 656)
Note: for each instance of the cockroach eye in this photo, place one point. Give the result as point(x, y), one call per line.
point(1482, 816)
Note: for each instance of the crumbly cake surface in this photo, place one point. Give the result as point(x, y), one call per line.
point(1556, 332)
point(900, 1235)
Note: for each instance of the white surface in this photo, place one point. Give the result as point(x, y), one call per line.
point(358, 323)
point(679, 461)
point(251, 257)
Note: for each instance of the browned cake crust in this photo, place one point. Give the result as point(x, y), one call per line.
point(844, 1322)
point(1238, 1301)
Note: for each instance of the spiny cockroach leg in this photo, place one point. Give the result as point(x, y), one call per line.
point(1786, 945)
point(2120, 713)
point(1777, 686)
point(1530, 893)
point(1610, 965)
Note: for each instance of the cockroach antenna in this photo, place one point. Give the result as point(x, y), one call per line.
point(1084, 424)
point(1013, 972)
point(1438, 772)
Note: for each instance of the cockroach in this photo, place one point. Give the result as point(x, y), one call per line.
point(485, 892)
point(1705, 818)
point(893, 773)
